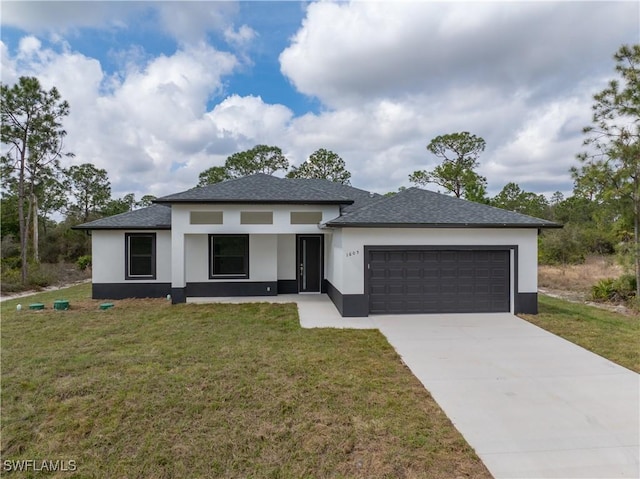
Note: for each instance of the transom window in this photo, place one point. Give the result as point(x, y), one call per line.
point(228, 256)
point(140, 255)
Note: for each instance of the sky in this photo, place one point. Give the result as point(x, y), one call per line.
point(160, 91)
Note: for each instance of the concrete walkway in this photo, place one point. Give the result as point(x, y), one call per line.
point(531, 404)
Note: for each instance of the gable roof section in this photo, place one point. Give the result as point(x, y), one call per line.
point(154, 217)
point(415, 207)
point(258, 188)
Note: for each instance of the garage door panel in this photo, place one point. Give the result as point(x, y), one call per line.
point(413, 273)
point(432, 281)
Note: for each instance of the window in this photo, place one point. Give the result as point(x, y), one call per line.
point(306, 217)
point(228, 256)
point(206, 218)
point(256, 217)
point(140, 255)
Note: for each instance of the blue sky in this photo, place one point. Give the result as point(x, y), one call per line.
point(160, 91)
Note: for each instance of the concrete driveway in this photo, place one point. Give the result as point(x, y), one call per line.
point(530, 403)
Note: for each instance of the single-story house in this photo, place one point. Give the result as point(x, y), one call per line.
point(412, 252)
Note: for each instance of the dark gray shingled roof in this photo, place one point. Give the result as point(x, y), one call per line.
point(156, 217)
point(258, 188)
point(414, 207)
point(409, 208)
point(360, 197)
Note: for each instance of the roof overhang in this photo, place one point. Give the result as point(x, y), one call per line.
point(255, 202)
point(129, 228)
point(444, 225)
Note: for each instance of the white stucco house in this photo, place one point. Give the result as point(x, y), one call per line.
point(413, 252)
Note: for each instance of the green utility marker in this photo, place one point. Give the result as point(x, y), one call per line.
point(61, 305)
point(104, 306)
point(36, 306)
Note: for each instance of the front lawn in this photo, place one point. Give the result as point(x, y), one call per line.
point(611, 335)
point(153, 390)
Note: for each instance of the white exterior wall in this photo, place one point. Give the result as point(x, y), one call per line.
point(287, 257)
point(334, 259)
point(180, 219)
point(108, 262)
point(352, 261)
point(263, 259)
point(189, 264)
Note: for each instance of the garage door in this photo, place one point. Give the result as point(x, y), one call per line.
point(438, 281)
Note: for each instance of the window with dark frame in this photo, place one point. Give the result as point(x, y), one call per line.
point(228, 256)
point(140, 256)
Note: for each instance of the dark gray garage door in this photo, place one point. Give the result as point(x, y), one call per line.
point(438, 281)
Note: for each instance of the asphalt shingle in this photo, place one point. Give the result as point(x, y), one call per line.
point(360, 197)
point(412, 207)
point(417, 207)
point(258, 188)
point(155, 217)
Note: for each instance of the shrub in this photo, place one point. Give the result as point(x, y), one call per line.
point(563, 246)
point(84, 262)
point(11, 262)
point(11, 280)
point(603, 290)
point(620, 289)
point(625, 287)
point(38, 276)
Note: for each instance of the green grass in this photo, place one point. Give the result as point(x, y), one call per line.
point(153, 390)
point(611, 335)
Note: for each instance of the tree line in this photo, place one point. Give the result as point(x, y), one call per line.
point(600, 216)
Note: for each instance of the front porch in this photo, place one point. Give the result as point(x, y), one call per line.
point(239, 265)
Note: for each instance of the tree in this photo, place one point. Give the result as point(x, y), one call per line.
point(611, 168)
point(31, 128)
point(456, 173)
point(213, 175)
point(91, 189)
point(146, 200)
point(513, 198)
point(259, 159)
point(323, 164)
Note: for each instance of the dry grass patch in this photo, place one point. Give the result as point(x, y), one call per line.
point(611, 335)
point(578, 278)
point(153, 390)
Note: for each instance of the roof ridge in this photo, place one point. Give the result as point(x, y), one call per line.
point(315, 188)
point(335, 183)
point(367, 206)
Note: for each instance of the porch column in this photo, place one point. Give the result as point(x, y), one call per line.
point(178, 277)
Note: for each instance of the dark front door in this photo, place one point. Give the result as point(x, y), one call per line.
point(309, 263)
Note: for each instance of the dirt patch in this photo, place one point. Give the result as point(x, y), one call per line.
point(573, 282)
point(578, 278)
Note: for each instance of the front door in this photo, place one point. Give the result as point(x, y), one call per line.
point(309, 263)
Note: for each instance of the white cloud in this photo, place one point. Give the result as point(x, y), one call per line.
point(187, 22)
point(391, 78)
point(240, 37)
point(250, 120)
point(346, 53)
point(143, 127)
point(45, 16)
point(28, 46)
